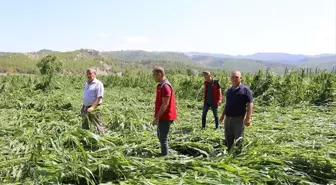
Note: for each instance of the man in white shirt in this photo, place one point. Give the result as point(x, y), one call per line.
point(92, 100)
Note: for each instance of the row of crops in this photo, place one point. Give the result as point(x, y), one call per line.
point(291, 141)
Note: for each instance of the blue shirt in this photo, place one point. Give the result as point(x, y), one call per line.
point(92, 91)
point(236, 100)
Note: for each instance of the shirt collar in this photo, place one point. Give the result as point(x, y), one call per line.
point(93, 81)
point(163, 81)
point(211, 81)
point(234, 88)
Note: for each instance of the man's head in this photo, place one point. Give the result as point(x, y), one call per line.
point(91, 74)
point(207, 76)
point(235, 78)
point(158, 74)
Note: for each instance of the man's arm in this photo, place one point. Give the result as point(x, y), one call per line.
point(249, 110)
point(100, 95)
point(224, 111)
point(96, 102)
point(220, 94)
point(163, 107)
point(249, 105)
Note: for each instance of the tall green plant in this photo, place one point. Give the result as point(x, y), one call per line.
point(48, 67)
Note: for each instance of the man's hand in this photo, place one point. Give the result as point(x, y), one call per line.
point(221, 119)
point(155, 121)
point(90, 109)
point(219, 102)
point(247, 121)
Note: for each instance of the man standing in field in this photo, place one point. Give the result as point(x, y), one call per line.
point(92, 100)
point(212, 97)
point(238, 97)
point(165, 108)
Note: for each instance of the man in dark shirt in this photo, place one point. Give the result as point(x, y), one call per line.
point(238, 98)
point(212, 97)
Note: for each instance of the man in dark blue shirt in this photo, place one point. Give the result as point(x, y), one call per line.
point(238, 98)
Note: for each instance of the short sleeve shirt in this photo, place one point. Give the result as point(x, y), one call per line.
point(92, 91)
point(236, 100)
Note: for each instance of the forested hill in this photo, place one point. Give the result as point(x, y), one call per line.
point(177, 62)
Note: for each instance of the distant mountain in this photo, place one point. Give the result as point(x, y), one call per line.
point(323, 62)
point(277, 62)
point(211, 55)
point(46, 51)
point(138, 60)
point(244, 65)
point(132, 55)
point(284, 58)
point(278, 57)
point(210, 61)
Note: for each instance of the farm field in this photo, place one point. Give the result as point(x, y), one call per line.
point(291, 140)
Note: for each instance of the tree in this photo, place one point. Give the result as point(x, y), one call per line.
point(48, 67)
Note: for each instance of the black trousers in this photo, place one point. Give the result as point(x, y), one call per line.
point(162, 134)
point(214, 109)
point(234, 132)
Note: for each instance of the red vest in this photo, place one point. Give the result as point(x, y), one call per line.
point(170, 113)
point(215, 91)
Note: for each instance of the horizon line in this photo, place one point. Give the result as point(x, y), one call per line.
point(162, 51)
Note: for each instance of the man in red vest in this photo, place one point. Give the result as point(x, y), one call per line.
point(165, 108)
point(212, 97)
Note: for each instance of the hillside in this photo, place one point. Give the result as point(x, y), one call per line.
point(243, 65)
point(176, 62)
point(324, 62)
point(132, 55)
point(284, 58)
point(209, 62)
point(280, 58)
point(79, 60)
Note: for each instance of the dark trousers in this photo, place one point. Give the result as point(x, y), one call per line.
point(162, 134)
point(234, 130)
point(214, 109)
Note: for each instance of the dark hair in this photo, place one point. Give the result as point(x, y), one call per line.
point(206, 73)
point(91, 70)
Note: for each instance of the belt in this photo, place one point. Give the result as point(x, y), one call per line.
point(234, 116)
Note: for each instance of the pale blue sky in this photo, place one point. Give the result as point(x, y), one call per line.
point(218, 26)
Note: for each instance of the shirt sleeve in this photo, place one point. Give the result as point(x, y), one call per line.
point(249, 96)
point(166, 91)
point(100, 90)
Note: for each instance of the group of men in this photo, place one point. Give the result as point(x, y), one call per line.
point(236, 115)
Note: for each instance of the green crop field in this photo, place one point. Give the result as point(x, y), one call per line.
point(292, 139)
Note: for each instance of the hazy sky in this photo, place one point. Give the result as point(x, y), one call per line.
point(217, 26)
